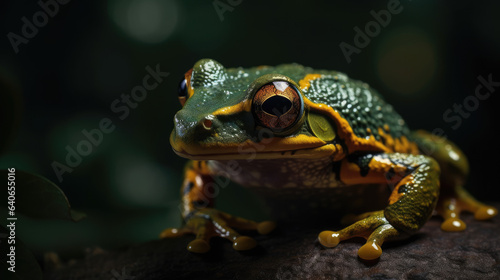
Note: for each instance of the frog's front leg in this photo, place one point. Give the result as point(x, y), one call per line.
point(415, 183)
point(201, 219)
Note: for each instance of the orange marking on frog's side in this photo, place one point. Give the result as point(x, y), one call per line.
point(305, 83)
point(355, 143)
point(350, 174)
point(346, 132)
point(378, 168)
point(400, 145)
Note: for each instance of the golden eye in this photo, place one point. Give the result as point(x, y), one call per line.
point(277, 105)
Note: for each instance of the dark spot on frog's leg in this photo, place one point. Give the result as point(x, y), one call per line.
point(188, 188)
point(402, 189)
point(200, 203)
point(396, 176)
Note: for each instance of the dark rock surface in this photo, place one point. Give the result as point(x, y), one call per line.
point(294, 253)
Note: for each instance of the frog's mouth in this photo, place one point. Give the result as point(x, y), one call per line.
point(320, 152)
point(300, 146)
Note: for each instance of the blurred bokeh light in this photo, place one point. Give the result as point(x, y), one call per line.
point(149, 21)
point(141, 182)
point(407, 61)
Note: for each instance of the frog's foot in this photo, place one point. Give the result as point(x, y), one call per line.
point(450, 207)
point(207, 223)
point(373, 226)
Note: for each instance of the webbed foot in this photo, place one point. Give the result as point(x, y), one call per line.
point(373, 226)
point(451, 206)
point(208, 222)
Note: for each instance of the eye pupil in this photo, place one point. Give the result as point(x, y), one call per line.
point(277, 105)
point(182, 89)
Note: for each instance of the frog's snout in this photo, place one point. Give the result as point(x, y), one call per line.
point(182, 125)
point(190, 130)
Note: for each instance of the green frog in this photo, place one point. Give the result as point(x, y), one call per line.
point(290, 127)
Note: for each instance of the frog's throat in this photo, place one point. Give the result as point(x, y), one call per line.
point(334, 150)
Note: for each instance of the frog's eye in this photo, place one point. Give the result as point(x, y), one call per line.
point(182, 91)
point(278, 105)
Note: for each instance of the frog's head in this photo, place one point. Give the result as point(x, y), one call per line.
point(243, 113)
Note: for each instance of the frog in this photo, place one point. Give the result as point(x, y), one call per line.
point(294, 127)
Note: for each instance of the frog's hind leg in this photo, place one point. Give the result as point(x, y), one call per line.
point(415, 183)
point(454, 170)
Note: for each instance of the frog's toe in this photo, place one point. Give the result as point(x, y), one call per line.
point(172, 232)
point(243, 243)
point(329, 238)
point(372, 248)
point(198, 246)
point(266, 227)
point(370, 251)
point(485, 212)
point(451, 206)
point(453, 224)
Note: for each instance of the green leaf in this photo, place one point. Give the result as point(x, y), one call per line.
point(38, 197)
point(26, 266)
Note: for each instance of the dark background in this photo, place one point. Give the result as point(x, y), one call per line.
point(425, 60)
